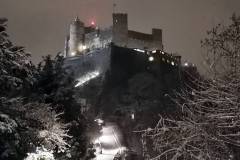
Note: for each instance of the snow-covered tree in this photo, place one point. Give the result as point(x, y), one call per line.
point(9, 138)
point(16, 70)
point(223, 48)
point(40, 154)
point(207, 127)
point(31, 125)
point(45, 91)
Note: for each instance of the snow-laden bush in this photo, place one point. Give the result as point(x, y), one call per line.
point(55, 135)
point(9, 138)
point(7, 125)
point(34, 124)
point(40, 154)
point(50, 131)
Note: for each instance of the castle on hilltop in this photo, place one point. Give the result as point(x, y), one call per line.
point(119, 52)
point(82, 39)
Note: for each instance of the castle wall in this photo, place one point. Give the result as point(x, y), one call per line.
point(92, 40)
point(98, 39)
point(141, 44)
point(76, 37)
point(132, 39)
point(127, 62)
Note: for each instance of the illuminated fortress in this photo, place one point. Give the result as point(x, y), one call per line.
point(82, 39)
point(117, 50)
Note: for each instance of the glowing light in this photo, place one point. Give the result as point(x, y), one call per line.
point(99, 121)
point(93, 23)
point(133, 116)
point(96, 141)
point(109, 152)
point(82, 47)
point(106, 139)
point(87, 78)
point(172, 63)
point(151, 58)
point(154, 51)
point(73, 54)
point(139, 50)
point(186, 64)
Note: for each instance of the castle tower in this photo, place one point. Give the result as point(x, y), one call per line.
point(76, 37)
point(157, 38)
point(120, 29)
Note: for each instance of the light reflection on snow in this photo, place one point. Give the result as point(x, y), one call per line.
point(107, 139)
point(87, 77)
point(110, 151)
point(109, 142)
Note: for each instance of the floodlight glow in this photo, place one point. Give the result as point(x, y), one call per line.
point(110, 151)
point(106, 139)
point(139, 50)
point(96, 141)
point(151, 58)
point(132, 116)
point(99, 121)
point(73, 53)
point(87, 78)
point(82, 47)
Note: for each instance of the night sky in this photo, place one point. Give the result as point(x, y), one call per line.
point(41, 25)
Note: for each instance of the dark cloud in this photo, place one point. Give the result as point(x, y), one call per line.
point(41, 25)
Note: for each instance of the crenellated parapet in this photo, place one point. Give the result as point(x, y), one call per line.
point(124, 37)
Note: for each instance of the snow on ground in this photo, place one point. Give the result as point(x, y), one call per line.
point(110, 142)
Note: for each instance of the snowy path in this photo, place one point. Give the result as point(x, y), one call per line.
point(111, 142)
